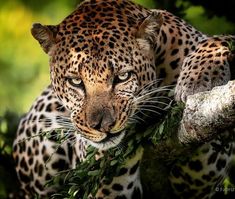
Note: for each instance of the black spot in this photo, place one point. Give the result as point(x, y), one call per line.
point(215, 72)
point(212, 45)
point(29, 151)
point(28, 133)
point(117, 187)
point(171, 30)
point(60, 165)
point(40, 170)
point(46, 158)
point(217, 62)
point(180, 42)
point(40, 107)
point(206, 177)
point(122, 171)
point(212, 158)
point(42, 118)
point(38, 185)
point(15, 148)
point(209, 56)
point(45, 92)
point(34, 129)
point(60, 151)
point(205, 44)
point(48, 177)
point(186, 51)
point(162, 73)
point(202, 62)
point(225, 43)
point(21, 130)
point(111, 45)
point(193, 47)
point(160, 58)
point(106, 192)
point(176, 171)
point(174, 52)
point(52, 136)
point(23, 177)
point(136, 194)
point(134, 168)
point(130, 185)
point(22, 146)
point(23, 164)
point(174, 64)
point(212, 173)
point(30, 161)
point(164, 36)
point(195, 165)
point(36, 152)
point(221, 163)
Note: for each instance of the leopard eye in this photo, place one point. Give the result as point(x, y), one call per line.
point(123, 77)
point(76, 82)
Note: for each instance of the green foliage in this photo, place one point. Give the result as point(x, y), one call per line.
point(8, 182)
point(212, 26)
point(24, 67)
point(168, 125)
point(232, 46)
point(146, 3)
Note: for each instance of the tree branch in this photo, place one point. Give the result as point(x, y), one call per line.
point(207, 113)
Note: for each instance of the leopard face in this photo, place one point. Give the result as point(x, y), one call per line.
point(99, 62)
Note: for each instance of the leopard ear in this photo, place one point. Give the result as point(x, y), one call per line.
point(148, 30)
point(46, 35)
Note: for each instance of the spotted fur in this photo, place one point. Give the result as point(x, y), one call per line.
point(107, 61)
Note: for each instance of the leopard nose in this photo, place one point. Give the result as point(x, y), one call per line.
point(102, 121)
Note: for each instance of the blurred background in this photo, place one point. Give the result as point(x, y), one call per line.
point(24, 70)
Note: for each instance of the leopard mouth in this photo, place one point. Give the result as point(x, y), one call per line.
point(110, 136)
point(102, 140)
point(110, 141)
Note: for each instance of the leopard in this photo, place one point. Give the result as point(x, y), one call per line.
point(107, 59)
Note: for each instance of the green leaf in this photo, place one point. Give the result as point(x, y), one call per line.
point(113, 162)
point(93, 173)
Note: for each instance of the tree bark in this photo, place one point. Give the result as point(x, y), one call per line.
point(207, 113)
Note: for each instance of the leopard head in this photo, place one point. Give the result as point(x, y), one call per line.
point(100, 57)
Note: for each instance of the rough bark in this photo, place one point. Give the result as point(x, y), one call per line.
point(206, 113)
